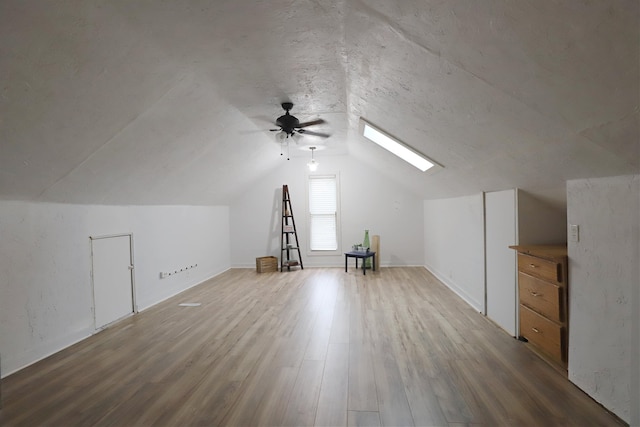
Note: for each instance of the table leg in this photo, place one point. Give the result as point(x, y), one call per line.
point(345, 263)
point(373, 265)
point(364, 266)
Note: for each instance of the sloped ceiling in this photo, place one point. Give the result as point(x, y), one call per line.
point(145, 102)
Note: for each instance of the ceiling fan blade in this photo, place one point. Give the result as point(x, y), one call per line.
point(310, 132)
point(311, 123)
point(275, 130)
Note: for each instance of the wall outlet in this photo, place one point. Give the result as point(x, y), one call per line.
point(164, 275)
point(574, 233)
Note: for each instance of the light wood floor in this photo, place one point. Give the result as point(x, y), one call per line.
point(307, 347)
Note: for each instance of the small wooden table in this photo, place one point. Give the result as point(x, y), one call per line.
point(363, 256)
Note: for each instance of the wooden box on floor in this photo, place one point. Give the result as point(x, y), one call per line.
point(266, 264)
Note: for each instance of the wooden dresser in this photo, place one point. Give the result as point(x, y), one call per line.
point(543, 300)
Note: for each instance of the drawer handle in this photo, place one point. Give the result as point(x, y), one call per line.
point(536, 330)
point(533, 266)
point(535, 294)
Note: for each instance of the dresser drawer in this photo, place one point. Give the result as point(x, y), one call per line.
point(541, 296)
point(541, 268)
point(542, 332)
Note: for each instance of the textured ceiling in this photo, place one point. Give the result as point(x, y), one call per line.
point(123, 102)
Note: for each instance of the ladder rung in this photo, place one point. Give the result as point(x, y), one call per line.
point(288, 230)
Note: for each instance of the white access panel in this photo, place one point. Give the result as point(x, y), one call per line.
point(500, 233)
point(112, 278)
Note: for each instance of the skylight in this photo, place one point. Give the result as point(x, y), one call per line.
point(396, 147)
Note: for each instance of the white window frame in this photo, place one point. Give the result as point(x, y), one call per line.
point(338, 250)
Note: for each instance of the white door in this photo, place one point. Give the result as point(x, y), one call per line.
point(112, 278)
point(500, 233)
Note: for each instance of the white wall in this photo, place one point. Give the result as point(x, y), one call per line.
point(45, 286)
point(454, 237)
point(541, 222)
point(367, 200)
point(172, 237)
point(454, 245)
point(603, 286)
point(501, 231)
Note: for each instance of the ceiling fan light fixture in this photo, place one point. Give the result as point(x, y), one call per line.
point(281, 137)
point(292, 127)
point(312, 165)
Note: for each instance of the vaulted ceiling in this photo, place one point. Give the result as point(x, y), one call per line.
point(137, 102)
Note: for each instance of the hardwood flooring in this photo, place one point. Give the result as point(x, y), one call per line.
point(306, 347)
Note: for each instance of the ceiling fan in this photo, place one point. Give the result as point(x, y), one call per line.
point(289, 125)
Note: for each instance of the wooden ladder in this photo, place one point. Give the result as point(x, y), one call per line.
point(288, 233)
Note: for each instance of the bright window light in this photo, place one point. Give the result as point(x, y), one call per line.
point(323, 212)
point(396, 148)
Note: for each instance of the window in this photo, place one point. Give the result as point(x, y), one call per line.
point(396, 147)
point(323, 213)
